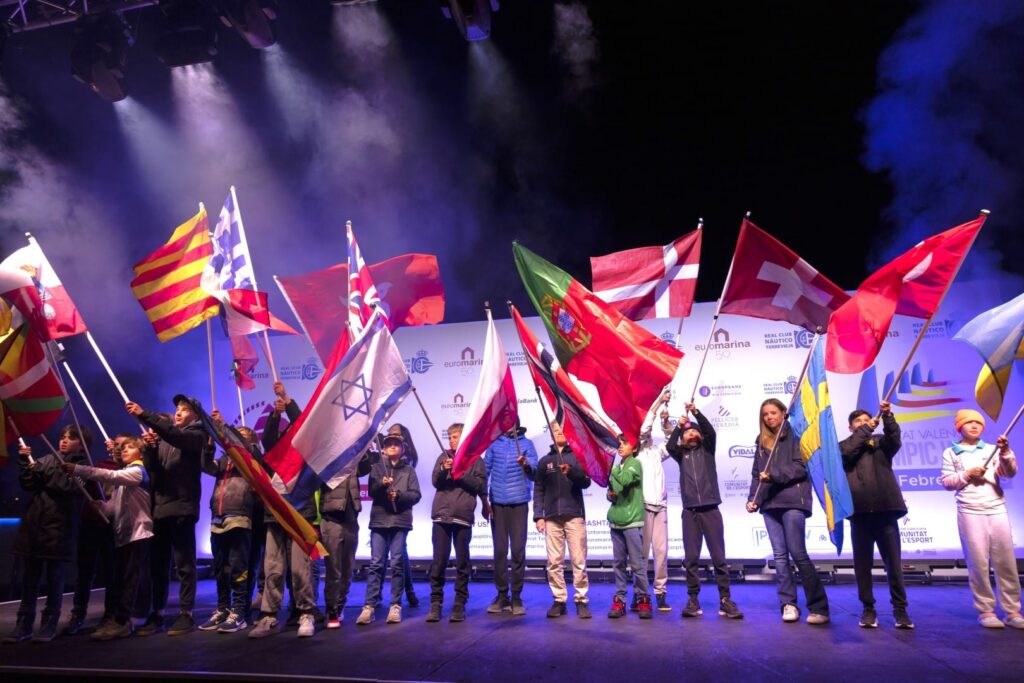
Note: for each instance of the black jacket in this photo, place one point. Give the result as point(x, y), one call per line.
point(387, 513)
point(345, 496)
point(790, 487)
point(46, 528)
point(232, 494)
point(175, 466)
point(556, 494)
point(455, 499)
point(698, 475)
point(867, 460)
point(271, 435)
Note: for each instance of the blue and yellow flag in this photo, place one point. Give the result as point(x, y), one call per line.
point(811, 420)
point(998, 335)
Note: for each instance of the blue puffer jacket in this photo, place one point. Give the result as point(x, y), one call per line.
point(508, 482)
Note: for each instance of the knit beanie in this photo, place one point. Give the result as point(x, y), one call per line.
point(967, 415)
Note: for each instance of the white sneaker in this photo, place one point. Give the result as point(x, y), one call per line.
point(366, 616)
point(395, 614)
point(790, 613)
point(307, 626)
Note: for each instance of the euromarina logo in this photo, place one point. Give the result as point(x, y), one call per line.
point(458, 403)
point(466, 362)
point(722, 339)
point(799, 339)
point(742, 451)
point(776, 388)
point(307, 371)
point(418, 364)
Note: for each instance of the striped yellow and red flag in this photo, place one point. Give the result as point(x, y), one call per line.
point(167, 282)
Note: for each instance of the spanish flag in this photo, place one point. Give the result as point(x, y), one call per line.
point(167, 282)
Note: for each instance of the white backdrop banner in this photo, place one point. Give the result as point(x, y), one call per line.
point(749, 360)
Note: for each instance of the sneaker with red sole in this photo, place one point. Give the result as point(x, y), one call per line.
point(643, 606)
point(618, 609)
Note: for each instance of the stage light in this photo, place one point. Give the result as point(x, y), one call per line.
point(254, 19)
point(472, 17)
point(99, 52)
point(187, 33)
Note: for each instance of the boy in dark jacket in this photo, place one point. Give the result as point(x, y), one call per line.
point(173, 458)
point(692, 445)
point(559, 514)
point(339, 530)
point(230, 538)
point(452, 514)
point(45, 536)
point(394, 489)
point(877, 507)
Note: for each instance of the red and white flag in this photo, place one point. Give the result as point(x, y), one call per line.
point(769, 281)
point(650, 282)
point(62, 318)
point(494, 408)
point(363, 298)
point(912, 284)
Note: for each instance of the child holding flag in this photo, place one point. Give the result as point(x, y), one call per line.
point(626, 519)
point(982, 519)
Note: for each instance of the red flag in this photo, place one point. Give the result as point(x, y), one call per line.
point(769, 281)
point(363, 298)
point(912, 284)
point(246, 312)
point(494, 407)
point(17, 288)
point(62, 317)
point(409, 286)
point(243, 361)
point(650, 282)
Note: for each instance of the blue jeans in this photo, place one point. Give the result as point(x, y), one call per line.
point(787, 535)
point(385, 542)
point(629, 543)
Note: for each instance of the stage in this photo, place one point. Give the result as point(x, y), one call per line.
point(947, 644)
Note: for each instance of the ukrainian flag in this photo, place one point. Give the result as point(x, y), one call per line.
point(998, 335)
point(812, 423)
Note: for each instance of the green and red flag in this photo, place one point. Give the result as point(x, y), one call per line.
point(629, 365)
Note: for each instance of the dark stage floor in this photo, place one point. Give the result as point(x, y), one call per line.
point(947, 645)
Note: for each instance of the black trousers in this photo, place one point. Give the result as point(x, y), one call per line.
point(94, 550)
point(231, 569)
point(444, 535)
point(130, 561)
point(704, 525)
point(508, 529)
point(177, 536)
point(881, 529)
point(256, 545)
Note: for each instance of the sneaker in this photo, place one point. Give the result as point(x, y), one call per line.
point(154, 624)
point(500, 604)
point(518, 610)
point(458, 613)
point(618, 609)
point(74, 626)
point(366, 616)
point(728, 608)
point(47, 628)
point(868, 618)
point(557, 609)
point(23, 629)
point(182, 625)
point(267, 626)
point(414, 602)
point(307, 626)
point(215, 620)
point(333, 618)
point(815, 619)
point(1014, 620)
point(583, 610)
point(692, 608)
point(112, 631)
point(644, 607)
point(902, 619)
point(394, 614)
point(434, 614)
point(790, 613)
point(662, 601)
point(233, 624)
point(990, 620)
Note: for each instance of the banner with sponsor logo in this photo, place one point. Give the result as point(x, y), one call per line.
point(749, 360)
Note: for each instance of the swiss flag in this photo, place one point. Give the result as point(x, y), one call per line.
point(650, 282)
point(769, 281)
point(912, 284)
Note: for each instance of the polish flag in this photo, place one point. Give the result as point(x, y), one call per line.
point(769, 281)
point(494, 408)
point(650, 282)
point(62, 318)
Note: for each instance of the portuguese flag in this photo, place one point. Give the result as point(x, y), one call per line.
point(629, 365)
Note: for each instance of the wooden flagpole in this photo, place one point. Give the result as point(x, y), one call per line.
point(1009, 427)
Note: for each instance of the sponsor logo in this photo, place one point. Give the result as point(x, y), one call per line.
point(724, 419)
point(458, 403)
point(704, 391)
point(939, 329)
point(669, 339)
point(742, 451)
point(308, 371)
point(466, 362)
point(775, 388)
point(722, 340)
point(800, 339)
point(516, 358)
point(721, 390)
point(813, 535)
point(418, 364)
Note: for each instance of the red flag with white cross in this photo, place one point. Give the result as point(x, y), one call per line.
point(769, 281)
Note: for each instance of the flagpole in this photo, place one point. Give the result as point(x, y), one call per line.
point(241, 406)
point(983, 214)
point(106, 366)
point(209, 350)
point(792, 400)
point(679, 329)
point(76, 480)
point(248, 256)
point(52, 358)
point(714, 322)
point(429, 422)
point(85, 400)
point(540, 399)
point(21, 441)
point(1009, 427)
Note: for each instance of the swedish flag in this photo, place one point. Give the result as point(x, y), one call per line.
point(812, 423)
point(998, 335)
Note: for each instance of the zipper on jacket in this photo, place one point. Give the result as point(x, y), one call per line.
point(696, 484)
